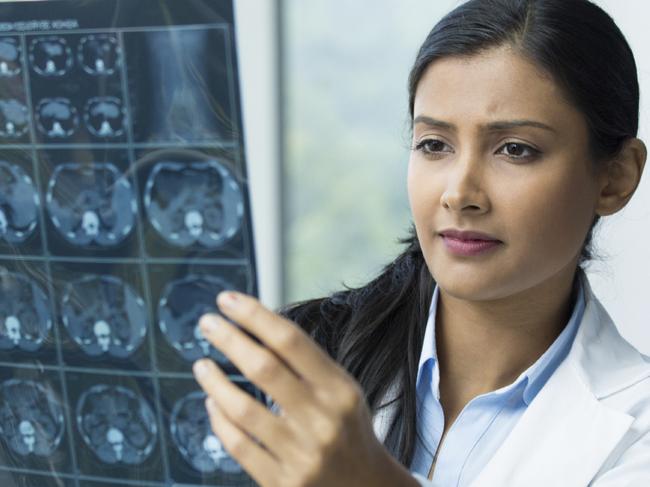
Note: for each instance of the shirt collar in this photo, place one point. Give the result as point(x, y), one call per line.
point(429, 342)
point(537, 374)
point(540, 371)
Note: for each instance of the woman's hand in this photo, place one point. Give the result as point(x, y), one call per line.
point(323, 435)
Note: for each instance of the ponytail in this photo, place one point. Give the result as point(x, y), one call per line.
point(375, 332)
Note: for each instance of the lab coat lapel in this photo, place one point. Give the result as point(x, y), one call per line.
point(562, 439)
point(567, 433)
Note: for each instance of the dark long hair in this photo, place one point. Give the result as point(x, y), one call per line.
point(376, 331)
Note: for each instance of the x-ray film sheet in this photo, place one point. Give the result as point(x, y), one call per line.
point(124, 210)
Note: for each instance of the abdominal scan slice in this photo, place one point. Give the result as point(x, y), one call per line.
point(14, 119)
point(104, 116)
point(18, 204)
point(116, 424)
point(99, 54)
point(31, 418)
point(25, 319)
point(193, 436)
point(182, 304)
point(56, 117)
point(194, 203)
point(104, 315)
point(91, 204)
point(10, 52)
point(50, 56)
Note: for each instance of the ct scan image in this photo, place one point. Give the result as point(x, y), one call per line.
point(104, 116)
point(183, 302)
point(10, 53)
point(93, 204)
point(206, 211)
point(104, 315)
point(124, 212)
point(193, 436)
point(18, 204)
point(25, 318)
point(116, 424)
point(14, 119)
point(50, 56)
point(99, 54)
point(56, 118)
point(31, 418)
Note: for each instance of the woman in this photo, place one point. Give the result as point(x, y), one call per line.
point(479, 359)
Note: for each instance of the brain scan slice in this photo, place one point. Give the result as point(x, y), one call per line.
point(116, 424)
point(25, 318)
point(182, 304)
point(50, 56)
point(18, 204)
point(31, 418)
point(91, 204)
point(104, 116)
point(10, 53)
point(99, 54)
point(193, 436)
point(56, 117)
point(193, 203)
point(14, 119)
point(104, 315)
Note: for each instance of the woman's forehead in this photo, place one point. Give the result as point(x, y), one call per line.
point(493, 85)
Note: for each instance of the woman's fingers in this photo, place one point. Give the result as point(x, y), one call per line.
point(282, 336)
point(259, 365)
point(258, 462)
point(242, 409)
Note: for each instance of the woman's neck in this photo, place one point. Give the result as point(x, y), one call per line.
point(485, 345)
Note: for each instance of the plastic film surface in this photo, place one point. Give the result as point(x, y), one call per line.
point(124, 211)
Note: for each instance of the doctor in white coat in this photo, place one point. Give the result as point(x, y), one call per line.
point(590, 423)
point(524, 120)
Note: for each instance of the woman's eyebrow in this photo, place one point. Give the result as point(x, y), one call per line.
point(490, 127)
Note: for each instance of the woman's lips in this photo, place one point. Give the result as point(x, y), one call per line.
point(469, 247)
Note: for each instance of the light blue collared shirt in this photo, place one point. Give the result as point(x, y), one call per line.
point(486, 420)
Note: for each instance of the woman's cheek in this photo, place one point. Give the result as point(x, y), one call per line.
point(552, 224)
point(424, 198)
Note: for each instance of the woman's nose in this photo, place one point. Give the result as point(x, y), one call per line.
point(465, 187)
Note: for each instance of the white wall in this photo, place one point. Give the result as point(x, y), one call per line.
point(256, 30)
point(622, 283)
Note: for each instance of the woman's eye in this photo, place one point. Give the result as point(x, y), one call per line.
point(518, 151)
point(430, 146)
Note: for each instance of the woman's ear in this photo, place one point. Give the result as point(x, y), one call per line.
point(620, 177)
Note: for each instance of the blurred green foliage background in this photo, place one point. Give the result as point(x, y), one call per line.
point(347, 136)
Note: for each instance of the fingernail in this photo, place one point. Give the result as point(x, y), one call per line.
point(208, 324)
point(200, 367)
point(228, 299)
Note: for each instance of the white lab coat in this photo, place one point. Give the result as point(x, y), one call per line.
point(589, 426)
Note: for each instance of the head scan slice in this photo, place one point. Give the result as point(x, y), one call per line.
point(193, 436)
point(14, 119)
point(50, 56)
point(25, 318)
point(56, 117)
point(10, 52)
point(91, 204)
point(31, 418)
point(193, 203)
point(18, 204)
point(180, 307)
point(104, 315)
point(104, 116)
point(99, 54)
